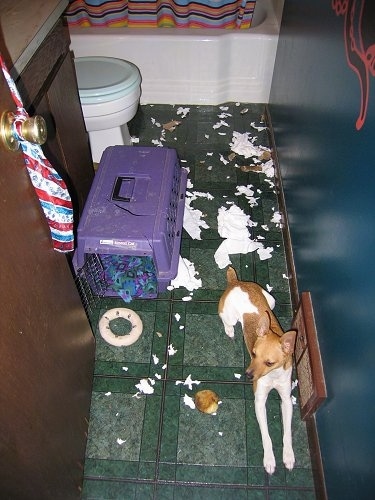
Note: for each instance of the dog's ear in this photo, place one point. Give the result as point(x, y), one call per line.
point(263, 325)
point(288, 341)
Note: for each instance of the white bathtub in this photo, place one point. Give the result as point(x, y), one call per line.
point(194, 66)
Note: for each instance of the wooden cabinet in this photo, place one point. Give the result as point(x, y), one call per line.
point(46, 343)
point(48, 88)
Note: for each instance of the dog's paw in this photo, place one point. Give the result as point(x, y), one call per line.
point(269, 462)
point(288, 458)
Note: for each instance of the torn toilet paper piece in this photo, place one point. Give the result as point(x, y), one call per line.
point(193, 221)
point(248, 193)
point(144, 386)
point(268, 169)
point(186, 276)
point(231, 246)
point(189, 382)
point(154, 122)
point(171, 350)
point(189, 402)
point(200, 194)
point(224, 115)
point(277, 219)
point(219, 124)
point(243, 144)
point(257, 127)
point(183, 111)
point(223, 160)
point(265, 253)
point(233, 223)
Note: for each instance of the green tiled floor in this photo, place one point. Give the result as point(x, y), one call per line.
point(167, 450)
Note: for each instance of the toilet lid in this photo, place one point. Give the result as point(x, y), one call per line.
point(103, 79)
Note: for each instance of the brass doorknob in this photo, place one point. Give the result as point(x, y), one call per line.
point(33, 130)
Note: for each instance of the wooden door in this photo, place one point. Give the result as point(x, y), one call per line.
point(46, 348)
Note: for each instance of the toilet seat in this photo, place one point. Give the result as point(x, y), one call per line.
point(109, 93)
point(105, 79)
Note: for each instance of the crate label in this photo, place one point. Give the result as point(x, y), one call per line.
point(130, 244)
point(119, 243)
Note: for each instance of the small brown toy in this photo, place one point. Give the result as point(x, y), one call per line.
point(206, 401)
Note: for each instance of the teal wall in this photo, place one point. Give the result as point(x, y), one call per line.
point(328, 171)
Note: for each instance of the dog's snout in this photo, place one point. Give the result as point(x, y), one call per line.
point(250, 374)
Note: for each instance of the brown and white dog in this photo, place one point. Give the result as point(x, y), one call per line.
point(271, 353)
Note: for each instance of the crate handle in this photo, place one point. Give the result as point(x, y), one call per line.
point(123, 189)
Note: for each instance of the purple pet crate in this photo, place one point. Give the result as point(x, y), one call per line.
point(135, 209)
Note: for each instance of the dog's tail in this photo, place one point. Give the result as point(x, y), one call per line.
point(231, 276)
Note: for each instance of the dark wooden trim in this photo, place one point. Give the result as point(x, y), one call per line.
point(316, 459)
point(43, 67)
point(282, 205)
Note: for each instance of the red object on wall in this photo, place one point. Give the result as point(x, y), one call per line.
point(359, 35)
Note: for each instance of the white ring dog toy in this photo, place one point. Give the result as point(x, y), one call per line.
point(120, 340)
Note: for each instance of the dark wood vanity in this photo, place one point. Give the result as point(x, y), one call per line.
point(46, 343)
point(48, 88)
point(36, 49)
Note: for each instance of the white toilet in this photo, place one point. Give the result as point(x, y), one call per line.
point(109, 91)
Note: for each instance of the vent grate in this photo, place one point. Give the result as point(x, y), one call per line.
point(311, 383)
point(172, 229)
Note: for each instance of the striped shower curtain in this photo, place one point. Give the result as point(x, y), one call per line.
point(227, 14)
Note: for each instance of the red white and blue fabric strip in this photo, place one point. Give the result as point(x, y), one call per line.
point(49, 187)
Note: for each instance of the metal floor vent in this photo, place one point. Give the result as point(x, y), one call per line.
point(311, 383)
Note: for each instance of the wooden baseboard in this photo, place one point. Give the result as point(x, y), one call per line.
point(316, 459)
point(282, 205)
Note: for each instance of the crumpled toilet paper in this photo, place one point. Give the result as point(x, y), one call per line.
point(233, 225)
point(230, 246)
point(193, 218)
point(193, 221)
point(243, 144)
point(186, 276)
